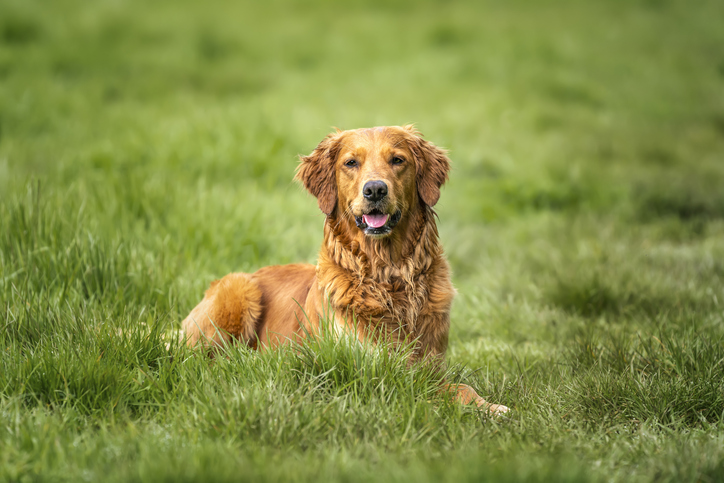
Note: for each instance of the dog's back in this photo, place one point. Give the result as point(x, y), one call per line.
point(262, 309)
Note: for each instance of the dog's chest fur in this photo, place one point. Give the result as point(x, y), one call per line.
point(383, 293)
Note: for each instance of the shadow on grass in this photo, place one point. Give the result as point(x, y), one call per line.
point(693, 198)
point(671, 378)
point(594, 295)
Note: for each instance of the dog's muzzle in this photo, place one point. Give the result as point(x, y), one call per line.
point(376, 223)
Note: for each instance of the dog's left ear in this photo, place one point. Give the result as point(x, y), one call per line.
point(432, 166)
point(316, 172)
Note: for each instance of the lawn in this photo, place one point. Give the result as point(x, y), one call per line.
point(148, 148)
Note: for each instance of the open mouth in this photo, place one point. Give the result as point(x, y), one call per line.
point(377, 223)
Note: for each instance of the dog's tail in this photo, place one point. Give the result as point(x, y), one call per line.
point(231, 309)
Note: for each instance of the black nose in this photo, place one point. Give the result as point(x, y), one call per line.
point(375, 190)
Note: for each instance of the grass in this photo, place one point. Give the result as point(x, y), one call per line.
point(148, 148)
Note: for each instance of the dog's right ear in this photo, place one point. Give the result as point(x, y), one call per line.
point(316, 172)
point(432, 166)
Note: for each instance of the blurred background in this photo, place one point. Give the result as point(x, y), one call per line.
point(554, 105)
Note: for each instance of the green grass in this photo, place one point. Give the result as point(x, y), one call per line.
point(147, 148)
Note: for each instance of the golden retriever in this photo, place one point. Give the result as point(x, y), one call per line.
point(381, 267)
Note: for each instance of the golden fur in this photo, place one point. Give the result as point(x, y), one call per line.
point(394, 279)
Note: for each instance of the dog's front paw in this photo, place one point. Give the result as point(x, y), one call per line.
point(467, 395)
point(494, 409)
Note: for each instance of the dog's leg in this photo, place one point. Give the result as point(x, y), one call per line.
point(433, 345)
point(230, 310)
point(465, 394)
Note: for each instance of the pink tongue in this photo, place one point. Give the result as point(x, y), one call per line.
point(375, 221)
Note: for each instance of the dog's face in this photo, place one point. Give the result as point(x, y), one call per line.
point(374, 176)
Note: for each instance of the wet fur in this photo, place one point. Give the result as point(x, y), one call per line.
point(398, 285)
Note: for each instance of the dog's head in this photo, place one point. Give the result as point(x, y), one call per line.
point(377, 175)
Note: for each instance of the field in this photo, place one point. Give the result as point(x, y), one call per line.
point(147, 148)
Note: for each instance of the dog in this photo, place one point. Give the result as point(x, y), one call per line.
point(381, 268)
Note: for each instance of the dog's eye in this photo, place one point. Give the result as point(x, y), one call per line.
point(350, 163)
point(397, 160)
